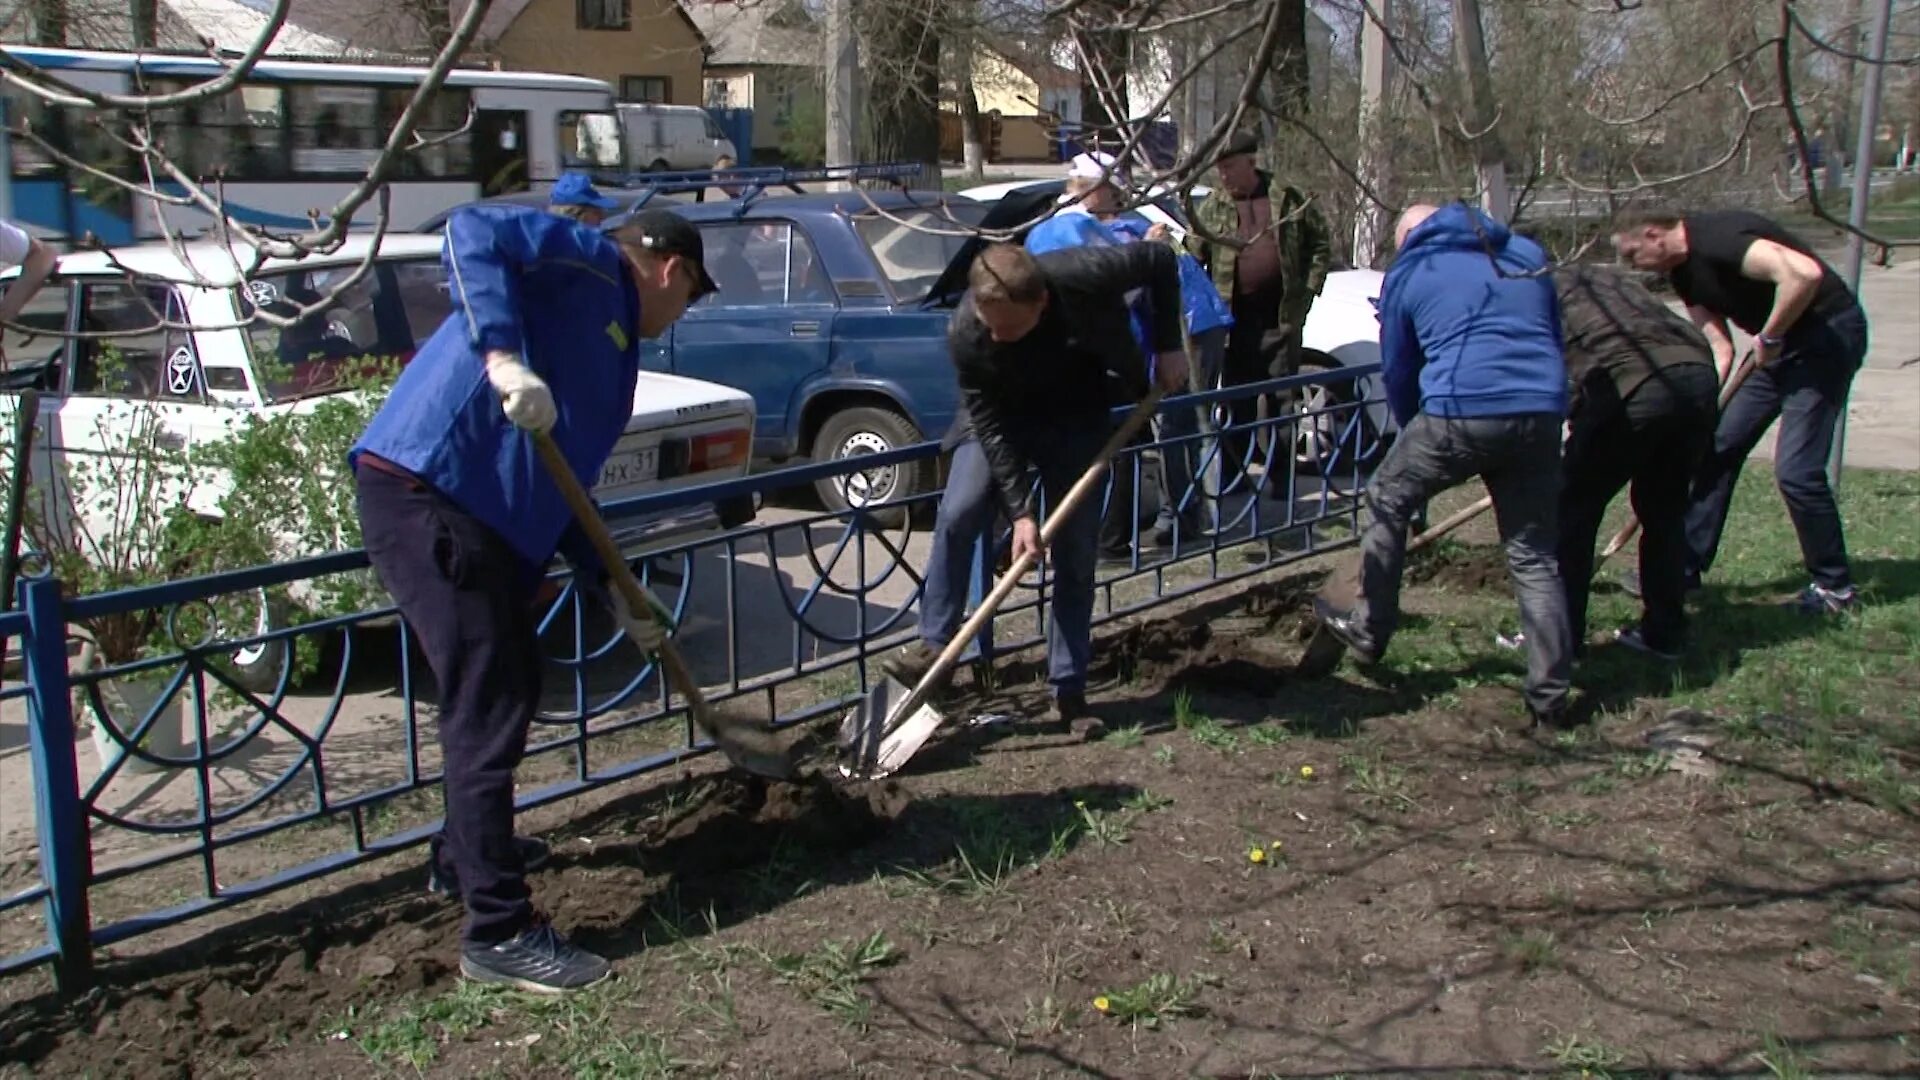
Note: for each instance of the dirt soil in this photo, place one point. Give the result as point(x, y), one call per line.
point(1435, 888)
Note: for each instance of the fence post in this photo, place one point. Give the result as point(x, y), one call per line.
point(66, 858)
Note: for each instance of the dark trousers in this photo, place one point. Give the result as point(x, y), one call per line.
point(1806, 389)
point(1185, 487)
point(1651, 442)
point(1518, 457)
point(468, 599)
point(1253, 318)
point(969, 507)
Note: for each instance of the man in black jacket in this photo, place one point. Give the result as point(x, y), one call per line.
point(1641, 410)
point(1033, 341)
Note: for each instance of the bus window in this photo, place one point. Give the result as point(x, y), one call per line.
point(591, 140)
point(26, 110)
point(235, 134)
point(449, 155)
point(336, 129)
point(500, 151)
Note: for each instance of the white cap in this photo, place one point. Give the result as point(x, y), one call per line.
point(1097, 166)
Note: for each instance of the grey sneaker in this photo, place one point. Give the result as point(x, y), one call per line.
point(537, 959)
point(910, 663)
point(1815, 600)
point(441, 880)
point(1341, 624)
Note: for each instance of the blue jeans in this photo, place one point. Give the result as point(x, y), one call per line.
point(1180, 497)
point(1518, 458)
point(969, 507)
point(1806, 389)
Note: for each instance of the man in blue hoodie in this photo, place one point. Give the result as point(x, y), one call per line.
point(1470, 355)
point(460, 518)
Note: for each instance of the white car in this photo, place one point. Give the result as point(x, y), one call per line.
point(187, 387)
point(1342, 330)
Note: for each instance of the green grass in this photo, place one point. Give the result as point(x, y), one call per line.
point(829, 975)
point(1161, 997)
point(1893, 213)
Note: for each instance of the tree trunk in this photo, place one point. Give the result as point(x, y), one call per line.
point(973, 151)
point(903, 115)
point(49, 22)
point(1371, 229)
point(1103, 81)
point(842, 77)
point(1288, 76)
point(142, 20)
point(1490, 162)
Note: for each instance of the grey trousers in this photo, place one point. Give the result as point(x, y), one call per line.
point(1518, 458)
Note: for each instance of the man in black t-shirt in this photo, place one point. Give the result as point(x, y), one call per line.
point(1640, 411)
point(1809, 338)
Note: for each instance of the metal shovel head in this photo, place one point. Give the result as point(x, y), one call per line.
point(752, 748)
point(874, 741)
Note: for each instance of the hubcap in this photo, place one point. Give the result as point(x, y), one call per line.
point(870, 485)
point(251, 654)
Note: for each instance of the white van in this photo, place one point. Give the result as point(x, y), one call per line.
point(672, 137)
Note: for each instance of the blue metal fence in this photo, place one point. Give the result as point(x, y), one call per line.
point(790, 614)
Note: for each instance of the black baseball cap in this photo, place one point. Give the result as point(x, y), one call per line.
point(668, 233)
point(1244, 142)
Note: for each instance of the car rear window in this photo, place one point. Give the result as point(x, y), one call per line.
point(913, 255)
point(376, 321)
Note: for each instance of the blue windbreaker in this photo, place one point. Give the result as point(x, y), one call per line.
point(1200, 301)
point(559, 294)
point(1470, 323)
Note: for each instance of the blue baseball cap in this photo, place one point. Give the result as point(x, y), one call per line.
point(574, 189)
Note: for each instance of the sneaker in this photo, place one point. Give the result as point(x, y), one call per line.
point(910, 663)
point(1816, 600)
point(1070, 714)
point(1342, 625)
point(441, 881)
point(537, 959)
point(1633, 638)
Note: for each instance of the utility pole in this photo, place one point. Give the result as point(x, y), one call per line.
point(1370, 226)
point(842, 78)
point(1862, 194)
point(1490, 162)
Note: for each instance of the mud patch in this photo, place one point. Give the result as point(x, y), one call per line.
point(736, 821)
point(1193, 657)
point(1459, 568)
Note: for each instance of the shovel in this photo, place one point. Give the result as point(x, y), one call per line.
point(748, 744)
point(893, 723)
point(1323, 653)
point(1627, 532)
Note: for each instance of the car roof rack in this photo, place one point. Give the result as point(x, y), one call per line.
point(753, 181)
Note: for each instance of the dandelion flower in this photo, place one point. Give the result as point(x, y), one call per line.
point(1306, 772)
point(1275, 845)
point(1080, 804)
point(1101, 1003)
point(1257, 855)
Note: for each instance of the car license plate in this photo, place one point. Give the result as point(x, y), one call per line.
point(629, 467)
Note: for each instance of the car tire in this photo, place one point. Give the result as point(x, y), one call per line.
point(258, 667)
point(658, 165)
point(867, 429)
point(1314, 444)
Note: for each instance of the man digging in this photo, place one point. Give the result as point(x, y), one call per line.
point(460, 518)
point(1470, 356)
point(1032, 342)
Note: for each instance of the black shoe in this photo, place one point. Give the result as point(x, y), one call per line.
point(909, 664)
point(1636, 639)
point(534, 855)
point(1557, 718)
point(537, 959)
point(1342, 625)
point(1818, 600)
point(1122, 554)
point(1070, 714)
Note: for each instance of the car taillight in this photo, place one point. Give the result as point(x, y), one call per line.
point(718, 450)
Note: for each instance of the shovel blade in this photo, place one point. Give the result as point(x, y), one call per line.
point(875, 740)
point(753, 749)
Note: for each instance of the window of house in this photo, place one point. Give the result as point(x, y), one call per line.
point(647, 89)
point(601, 14)
point(144, 361)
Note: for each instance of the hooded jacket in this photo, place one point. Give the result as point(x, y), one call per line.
point(1469, 323)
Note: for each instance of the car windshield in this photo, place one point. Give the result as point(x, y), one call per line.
point(366, 329)
point(913, 255)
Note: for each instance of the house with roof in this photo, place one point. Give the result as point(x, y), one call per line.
point(1024, 97)
point(764, 55)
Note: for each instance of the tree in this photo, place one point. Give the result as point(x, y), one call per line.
point(900, 40)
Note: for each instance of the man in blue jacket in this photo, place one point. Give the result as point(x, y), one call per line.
point(1470, 355)
point(460, 518)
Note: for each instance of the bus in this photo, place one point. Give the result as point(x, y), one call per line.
point(295, 138)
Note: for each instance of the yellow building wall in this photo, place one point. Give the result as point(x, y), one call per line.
point(658, 42)
point(998, 85)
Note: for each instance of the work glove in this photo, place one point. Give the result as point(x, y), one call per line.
point(524, 396)
point(647, 629)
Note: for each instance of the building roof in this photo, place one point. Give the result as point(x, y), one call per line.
point(758, 33)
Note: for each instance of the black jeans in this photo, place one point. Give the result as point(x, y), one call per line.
point(1518, 457)
point(1653, 441)
point(1806, 389)
point(467, 596)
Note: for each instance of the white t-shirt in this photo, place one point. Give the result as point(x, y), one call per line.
point(14, 244)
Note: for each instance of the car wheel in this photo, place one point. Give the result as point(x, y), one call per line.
point(858, 432)
point(1326, 440)
point(659, 165)
point(258, 667)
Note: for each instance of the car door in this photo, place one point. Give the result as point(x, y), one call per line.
point(37, 362)
point(767, 329)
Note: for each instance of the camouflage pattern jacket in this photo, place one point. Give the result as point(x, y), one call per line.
point(1301, 231)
